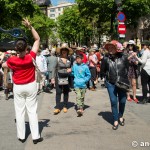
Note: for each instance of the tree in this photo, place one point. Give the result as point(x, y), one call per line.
point(12, 12)
point(43, 25)
point(72, 27)
point(106, 11)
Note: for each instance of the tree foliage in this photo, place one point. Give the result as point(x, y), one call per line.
point(13, 11)
point(104, 10)
point(72, 27)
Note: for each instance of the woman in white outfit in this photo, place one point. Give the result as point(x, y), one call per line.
point(145, 73)
point(25, 87)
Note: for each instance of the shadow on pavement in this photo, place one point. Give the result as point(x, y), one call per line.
point(42, 123)
point(107, 116)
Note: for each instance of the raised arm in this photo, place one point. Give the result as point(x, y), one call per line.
point(36, 36)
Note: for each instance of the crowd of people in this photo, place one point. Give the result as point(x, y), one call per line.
point(76, 69)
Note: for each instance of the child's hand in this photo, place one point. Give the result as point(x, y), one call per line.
point(69, 70)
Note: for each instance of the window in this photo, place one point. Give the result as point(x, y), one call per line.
point(59, 9)
point(52, 10)
point(52, 15)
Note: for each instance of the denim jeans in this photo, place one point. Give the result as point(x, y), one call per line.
point(116, 95)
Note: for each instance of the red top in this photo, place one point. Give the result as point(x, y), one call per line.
point(84, 57)
point(98, 54)
point(23, 68)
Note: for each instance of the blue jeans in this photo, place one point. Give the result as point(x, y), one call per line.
point(116, 95)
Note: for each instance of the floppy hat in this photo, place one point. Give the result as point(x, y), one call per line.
point(115, 45)
point(80, 49)
point(131, 42)
point(13, 52)
point(92, 50)
point(64, 47)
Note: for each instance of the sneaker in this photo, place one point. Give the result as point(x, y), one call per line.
point(56, 111)
point(65, 110)
point(80, 112)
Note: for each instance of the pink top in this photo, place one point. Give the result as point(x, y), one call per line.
point(92, 61)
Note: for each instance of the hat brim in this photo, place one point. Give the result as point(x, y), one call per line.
point(109, 46)
point(58, 50)
point(81, 50)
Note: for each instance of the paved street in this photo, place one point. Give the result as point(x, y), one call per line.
point(93, 131)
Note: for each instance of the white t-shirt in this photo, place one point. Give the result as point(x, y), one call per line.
point(145, 60)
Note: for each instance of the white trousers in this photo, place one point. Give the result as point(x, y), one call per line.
point(25, 100)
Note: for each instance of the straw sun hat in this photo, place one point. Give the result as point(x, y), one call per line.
point(64, 47)
point(114, 45)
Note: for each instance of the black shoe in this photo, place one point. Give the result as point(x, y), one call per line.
point(122, 123)
point(22, 140)
point(144, 101)
point(38, 140)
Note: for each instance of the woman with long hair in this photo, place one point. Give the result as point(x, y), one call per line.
point(133, 70)
point(25, 87)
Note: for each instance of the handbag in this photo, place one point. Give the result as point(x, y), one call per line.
point(120, 83)
point(38, 73)
point(62, 81)
point(123, 86)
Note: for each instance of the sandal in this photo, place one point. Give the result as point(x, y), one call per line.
point(136, 100)
point(122, 123)
point(115, 127)
point(130, 99)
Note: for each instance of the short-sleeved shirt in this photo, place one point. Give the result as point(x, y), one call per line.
point(23, 68)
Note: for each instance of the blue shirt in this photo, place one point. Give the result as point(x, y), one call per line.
point(81, 75)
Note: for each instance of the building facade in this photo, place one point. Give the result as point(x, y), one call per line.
point(55, 11)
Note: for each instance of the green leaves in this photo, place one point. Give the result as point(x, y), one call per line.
point(12, 12)
point(72, 26)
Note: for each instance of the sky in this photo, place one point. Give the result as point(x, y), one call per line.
point(55, 2)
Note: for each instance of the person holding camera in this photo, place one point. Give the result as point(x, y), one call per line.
point(133, 72)
point(145, 72)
